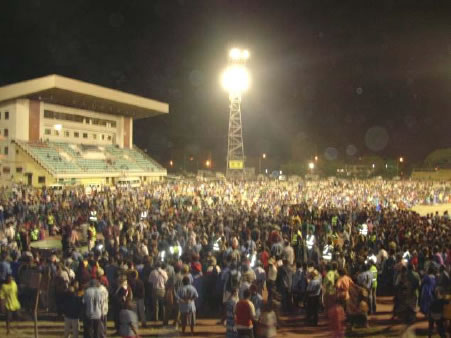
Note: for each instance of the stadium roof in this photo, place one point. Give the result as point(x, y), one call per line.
point(74, 93)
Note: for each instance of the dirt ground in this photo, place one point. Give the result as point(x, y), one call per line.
point(381, 325)
point(427, 209)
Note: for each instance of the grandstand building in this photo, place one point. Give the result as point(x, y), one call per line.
point(57, 130)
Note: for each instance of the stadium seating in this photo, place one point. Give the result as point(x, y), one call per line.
point(59, 157)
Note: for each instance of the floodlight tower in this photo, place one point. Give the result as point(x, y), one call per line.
point(235, 80)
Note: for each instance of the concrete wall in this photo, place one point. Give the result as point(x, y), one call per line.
point(28, 165)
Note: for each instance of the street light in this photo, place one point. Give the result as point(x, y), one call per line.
point(311, 166)
point(260, 162)
point(171, 163)
point(207, 163)
point(316, 158)
point(401, 160)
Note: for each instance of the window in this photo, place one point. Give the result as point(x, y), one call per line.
point(85, 135)
point(6, 132)
point(6, 170)
point(94, 136)
point(109, 137)
point(76, 134)
point(57, 133)
point(49, 114)
point(6, 115)
point(47, 131)
point(19, 170)
point(41, 179)
point(6, 151)
point(103, 137)
point(66, 133)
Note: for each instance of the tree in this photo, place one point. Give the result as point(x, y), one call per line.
point(294, 168)
point(438, 158)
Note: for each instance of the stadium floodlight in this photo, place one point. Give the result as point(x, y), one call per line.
point(235, 79)
point(236, 54)
point(311, 165)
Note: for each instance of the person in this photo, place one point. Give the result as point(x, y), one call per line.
point(230, 314)
point(186, 297)
point(5, 267)
point(435, 316)
point(267, 324)
point(271, 279)
point(336, 316)
point(329, 285)
point(128, 320)
point(284, 284)
point(93, 306)
point(138, 290)
point(158, 278)
point(374, 273)
point(72, 310)
point(244, 316)
point(343, 285)
point(313, 298)
point(257, 300)
point(427, 290)
point(9, 300)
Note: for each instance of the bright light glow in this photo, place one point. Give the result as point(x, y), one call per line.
point(280, 172)
point(207, 163)
point(386, 166)
point(374, 166)
point(316, 158)
point(266, 171)
point(264, 155)
point(171, 163)
point(401, 159)
point(58, 127)
point(235, 79)
point(311, 165)
point(235, 54)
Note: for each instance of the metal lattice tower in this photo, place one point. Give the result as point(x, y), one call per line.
point(235, 149)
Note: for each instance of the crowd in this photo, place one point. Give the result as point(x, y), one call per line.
point(168, 252)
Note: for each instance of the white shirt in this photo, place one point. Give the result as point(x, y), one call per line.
point(158, 278)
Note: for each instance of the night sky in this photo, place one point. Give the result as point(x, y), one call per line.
point(340, 77)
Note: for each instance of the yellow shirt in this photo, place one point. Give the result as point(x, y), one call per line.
point(8, 293)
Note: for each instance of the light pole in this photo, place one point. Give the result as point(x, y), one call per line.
point(235, 79)
point(311, 166)
point(401, 160)
point(260, 162)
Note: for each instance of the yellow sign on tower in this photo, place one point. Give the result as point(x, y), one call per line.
point(236, 164)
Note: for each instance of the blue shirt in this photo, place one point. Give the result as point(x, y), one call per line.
point(257, 300)
point(186, 296)
point(5, 270)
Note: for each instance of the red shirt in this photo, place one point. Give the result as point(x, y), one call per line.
point(264, 258)
point(244, 314)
